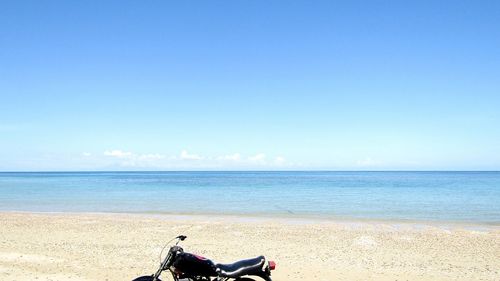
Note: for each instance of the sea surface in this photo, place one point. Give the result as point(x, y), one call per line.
point(427, 196)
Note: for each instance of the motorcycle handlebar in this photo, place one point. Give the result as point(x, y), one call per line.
point(179, 239)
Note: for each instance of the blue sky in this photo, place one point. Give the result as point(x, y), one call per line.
point(236, 85)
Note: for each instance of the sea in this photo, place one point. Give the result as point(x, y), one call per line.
point(416, 196)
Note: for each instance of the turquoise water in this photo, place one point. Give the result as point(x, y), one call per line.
point(440, 196)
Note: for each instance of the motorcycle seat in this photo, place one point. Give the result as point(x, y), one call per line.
point(241, 268)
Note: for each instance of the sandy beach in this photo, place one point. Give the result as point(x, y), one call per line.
point(121, 246)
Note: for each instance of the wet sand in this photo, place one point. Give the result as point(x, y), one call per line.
point(122, 246)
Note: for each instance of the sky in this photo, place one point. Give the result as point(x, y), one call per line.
point(249, 85)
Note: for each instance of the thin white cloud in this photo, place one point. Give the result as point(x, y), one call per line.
point(132, 157)
point(187, 160)
point(118, 153)
point(260, 157)
point(367, 162)
point(154, 156)
point(187, 156)
point(230, 157)
point(86, 154)
point(279, 160)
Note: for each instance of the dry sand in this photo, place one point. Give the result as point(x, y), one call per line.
point(120, 246)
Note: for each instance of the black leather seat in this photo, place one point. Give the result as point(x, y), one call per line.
point(240, 268)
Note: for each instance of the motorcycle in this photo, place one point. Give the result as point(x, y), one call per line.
point(190, 267)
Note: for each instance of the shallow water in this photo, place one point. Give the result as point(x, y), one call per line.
point(437, 196)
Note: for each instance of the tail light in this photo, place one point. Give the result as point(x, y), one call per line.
point(272, 265)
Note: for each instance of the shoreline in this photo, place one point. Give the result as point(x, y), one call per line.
point(276, 218)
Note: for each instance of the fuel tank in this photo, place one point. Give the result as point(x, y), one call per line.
point(187, 264)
